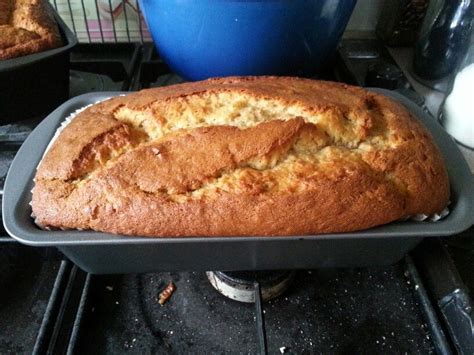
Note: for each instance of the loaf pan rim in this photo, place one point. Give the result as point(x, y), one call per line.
point(16, 195)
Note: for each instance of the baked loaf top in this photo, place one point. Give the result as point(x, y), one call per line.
point(240, 156)
point(26, 27)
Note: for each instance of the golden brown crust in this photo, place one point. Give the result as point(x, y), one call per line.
point(26, 27)
point(240, 156)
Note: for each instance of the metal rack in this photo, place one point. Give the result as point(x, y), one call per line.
point(104, 21)
point(73, 295)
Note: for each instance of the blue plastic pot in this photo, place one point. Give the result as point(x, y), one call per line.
point(199, 39)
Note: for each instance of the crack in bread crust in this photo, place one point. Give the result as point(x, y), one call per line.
point(227, 157)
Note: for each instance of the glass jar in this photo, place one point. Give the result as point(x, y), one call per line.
point(457, 112)
point(444, 38)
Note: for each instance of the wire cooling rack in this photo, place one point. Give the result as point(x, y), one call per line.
point(104, 21)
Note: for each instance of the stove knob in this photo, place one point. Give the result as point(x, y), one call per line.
point(384, 75)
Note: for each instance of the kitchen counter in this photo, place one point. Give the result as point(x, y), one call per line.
point(433, 98)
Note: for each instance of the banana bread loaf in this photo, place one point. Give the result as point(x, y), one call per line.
point(26, 27)
point(240, 156)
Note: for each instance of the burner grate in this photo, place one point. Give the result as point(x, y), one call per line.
point(362, 310)
point(27, 278)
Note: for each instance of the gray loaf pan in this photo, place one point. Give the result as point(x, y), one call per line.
point(108, 253)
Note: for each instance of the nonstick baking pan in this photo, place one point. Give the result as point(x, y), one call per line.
point(108, 253)
point(35, 84)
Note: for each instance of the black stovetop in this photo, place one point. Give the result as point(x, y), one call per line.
point(340, 311)
point(420, 305)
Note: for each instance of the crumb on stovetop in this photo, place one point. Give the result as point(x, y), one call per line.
point(165, 295)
